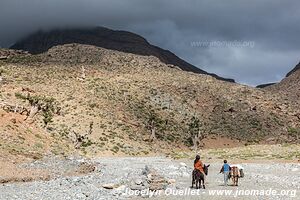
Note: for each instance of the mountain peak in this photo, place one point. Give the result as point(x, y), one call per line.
point(41, 41)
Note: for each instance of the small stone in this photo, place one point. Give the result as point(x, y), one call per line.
point(138, 181)
point(137, 187)
point(172, 167)
point(182, 164)
point(13, 120)
point(158, 186)
point(171, 181)
point(149, 176)
point(119, 190)
point(109, 186)
point(294, 169)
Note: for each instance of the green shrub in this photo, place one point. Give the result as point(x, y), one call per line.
point(87, 143)
point(115, 149)
point(47, 105)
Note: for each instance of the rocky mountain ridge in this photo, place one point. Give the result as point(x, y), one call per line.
point(289, 87)
point(124, 41)
point(294, 70)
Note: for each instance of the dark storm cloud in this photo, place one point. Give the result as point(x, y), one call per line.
point(273, 26)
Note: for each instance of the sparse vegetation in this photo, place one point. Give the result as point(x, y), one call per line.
point(2, 71)
point(47, 105)
point(169, 107)
point(294, 132)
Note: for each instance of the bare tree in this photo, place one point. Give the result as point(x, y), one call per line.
point(196, 134)
point(1, 73)
point(83, 73)
point(154, 123)
point(14, 108)
point(34, 109)
point(81, 138)
point(152, 128)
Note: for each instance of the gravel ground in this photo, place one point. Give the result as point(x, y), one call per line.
point(119, 173)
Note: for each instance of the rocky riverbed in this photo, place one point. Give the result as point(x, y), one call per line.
point(144, 177)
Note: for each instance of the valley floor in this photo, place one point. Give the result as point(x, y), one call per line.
point(80, 178)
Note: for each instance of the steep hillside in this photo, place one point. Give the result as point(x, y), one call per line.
point(289, 87)
point(102, 101)
point(124, 41)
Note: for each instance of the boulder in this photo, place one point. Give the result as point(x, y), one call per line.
point(85, 168)
point(149, 179)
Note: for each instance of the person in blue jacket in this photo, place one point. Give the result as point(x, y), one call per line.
point(225, 170)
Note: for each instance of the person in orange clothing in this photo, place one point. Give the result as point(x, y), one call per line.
point(198, 165)
point(199, 173)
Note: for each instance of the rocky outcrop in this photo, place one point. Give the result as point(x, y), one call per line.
point(9, 53)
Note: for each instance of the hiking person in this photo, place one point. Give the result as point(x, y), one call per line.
point(225, 170)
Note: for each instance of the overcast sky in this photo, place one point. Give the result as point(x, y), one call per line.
point(253, 41)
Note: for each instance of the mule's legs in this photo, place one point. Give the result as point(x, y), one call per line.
point(198, 182)
point(235, 180)
point(196, 178)
point(193, 179)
